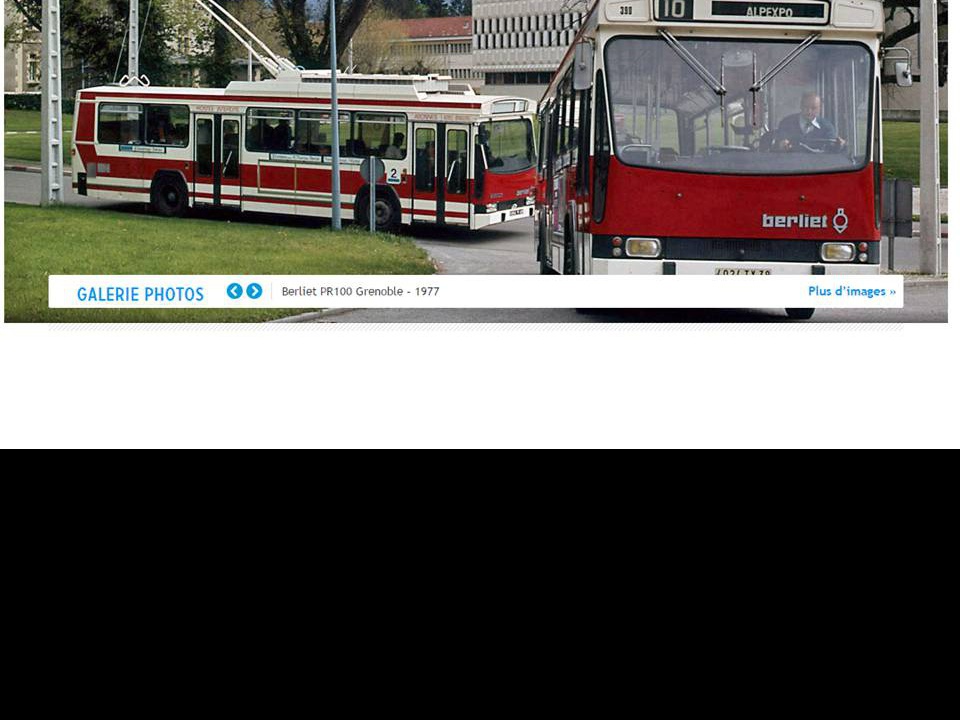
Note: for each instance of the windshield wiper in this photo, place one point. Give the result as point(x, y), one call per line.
point(760, 84)
point(694, 64)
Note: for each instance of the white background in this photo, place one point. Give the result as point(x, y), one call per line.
point(515, 386)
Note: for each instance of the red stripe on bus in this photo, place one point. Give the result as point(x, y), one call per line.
point(433, 213)
point(120, 189)
point(254, 99)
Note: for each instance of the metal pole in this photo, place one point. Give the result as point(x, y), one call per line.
point(249, 65)
point(133, 58)
point(335, 118)
point(350, 65)
point(930, 242)
point(51, 150)
point(373, 194)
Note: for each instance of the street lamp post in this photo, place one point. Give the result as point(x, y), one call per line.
point(51, 151)
point(335, 118)
point(930, 241)
point(133, 53)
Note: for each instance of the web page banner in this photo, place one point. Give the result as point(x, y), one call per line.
point(461, 291)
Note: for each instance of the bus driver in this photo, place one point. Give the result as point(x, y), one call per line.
point(808, 130)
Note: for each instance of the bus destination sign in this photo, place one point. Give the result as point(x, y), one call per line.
point(797, 12)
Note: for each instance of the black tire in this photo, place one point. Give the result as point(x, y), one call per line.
point(169, 196)
point(388, 212)
point(800, 313)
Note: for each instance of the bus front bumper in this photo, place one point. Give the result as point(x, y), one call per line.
point(713, 267)
point(482, 220)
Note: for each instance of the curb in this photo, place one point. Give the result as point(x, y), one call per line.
point(925, 281)
point(32, 170)
point(311, 316)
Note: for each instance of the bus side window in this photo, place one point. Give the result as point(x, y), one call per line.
point(583, 164)
point(573, 134)
point(120, 125)
point(601, 152)
point(270, 130)
point(562, 119)
point(168, 125)
point(544, 138)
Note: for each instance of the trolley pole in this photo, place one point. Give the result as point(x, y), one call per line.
point(335, 117)
point(51, 150)
point(931, 244)
point(133, 56)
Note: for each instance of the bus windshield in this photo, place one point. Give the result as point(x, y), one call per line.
point(508, 145)
point(813, 116)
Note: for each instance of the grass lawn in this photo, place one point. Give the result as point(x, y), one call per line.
point(81, 241)
point(901, 151)
point(27, 147)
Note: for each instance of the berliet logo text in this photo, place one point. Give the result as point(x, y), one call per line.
point(813, 222)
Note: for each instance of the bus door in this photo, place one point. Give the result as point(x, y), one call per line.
point(440, 174)
point(427, 191)
point(457, 156)
point(217, 160)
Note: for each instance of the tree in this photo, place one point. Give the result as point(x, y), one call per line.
point(303, 27)
point(375, 43)
point(217, 65)
point(93, 37)
point(461, 8)
point(903, 23)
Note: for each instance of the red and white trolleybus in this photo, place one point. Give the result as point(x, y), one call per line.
point(722, 137)
point(451, 157)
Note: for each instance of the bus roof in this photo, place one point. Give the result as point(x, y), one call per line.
point(429, 91)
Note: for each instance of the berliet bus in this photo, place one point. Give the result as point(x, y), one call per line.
point(451, 157)
point(722, 137)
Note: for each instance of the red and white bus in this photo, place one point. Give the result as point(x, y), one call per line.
point(721, 137)
point(451, 157)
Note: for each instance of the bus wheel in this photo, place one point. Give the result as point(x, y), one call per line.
point(800, 313)
point(387, 212)
point(168, 196)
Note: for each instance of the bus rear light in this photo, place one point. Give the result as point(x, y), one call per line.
point(617, 252)
point(643, 248)
point(864, 257)
point(864, 247)
point(838, 252)
point(618, 242)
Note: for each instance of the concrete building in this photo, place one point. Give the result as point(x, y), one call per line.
point(21, 53)
point(904, 103)
point(438, 45)
point(518, 44)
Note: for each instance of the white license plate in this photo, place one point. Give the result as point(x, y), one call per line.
point(518, 213)
point(742, 271)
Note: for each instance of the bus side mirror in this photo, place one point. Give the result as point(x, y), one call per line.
point(904, 74)
point(903, 67)
point(583, 67)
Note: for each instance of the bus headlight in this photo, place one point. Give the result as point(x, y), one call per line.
point(838, 252)
point(643, 248)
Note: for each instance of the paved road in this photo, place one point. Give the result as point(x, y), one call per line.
point(509, 250)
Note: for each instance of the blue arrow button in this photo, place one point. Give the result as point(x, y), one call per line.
point(254, 291)
point(235, 291)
